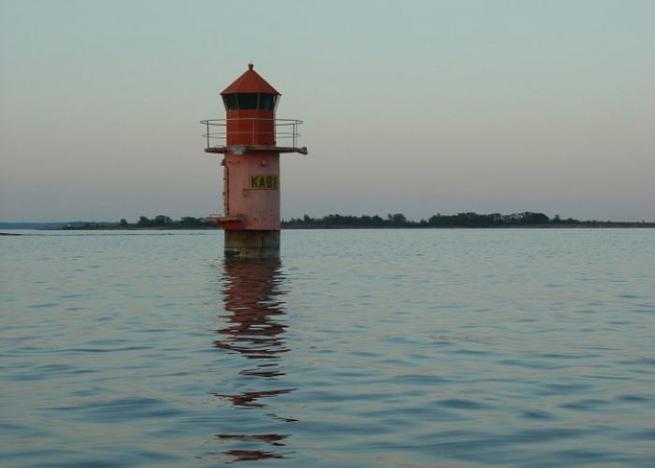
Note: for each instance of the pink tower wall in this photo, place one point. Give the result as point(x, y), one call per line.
point(251, 179)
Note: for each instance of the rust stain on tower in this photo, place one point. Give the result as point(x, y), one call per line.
point(248, 137)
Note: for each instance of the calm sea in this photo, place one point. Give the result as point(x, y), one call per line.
point(358, 348)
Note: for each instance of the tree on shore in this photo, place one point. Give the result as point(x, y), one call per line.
point(144, 222)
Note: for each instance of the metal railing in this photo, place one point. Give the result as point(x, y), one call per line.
point(283, 129)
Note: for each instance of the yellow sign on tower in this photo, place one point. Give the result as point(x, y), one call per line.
point(263, 182)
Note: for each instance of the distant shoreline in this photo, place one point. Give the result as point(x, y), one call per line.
point(591, 225)
point(463, 220)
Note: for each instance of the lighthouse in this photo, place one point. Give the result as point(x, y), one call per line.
point(248, 138)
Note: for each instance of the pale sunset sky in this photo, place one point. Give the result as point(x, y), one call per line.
point(416, 107)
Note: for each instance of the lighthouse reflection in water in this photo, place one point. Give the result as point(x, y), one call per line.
point(252, 330)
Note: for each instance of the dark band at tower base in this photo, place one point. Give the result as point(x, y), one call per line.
point(252, 244)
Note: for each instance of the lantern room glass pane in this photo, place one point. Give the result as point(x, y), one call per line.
point(230, 102)
point(247, 101)
point(267, 101)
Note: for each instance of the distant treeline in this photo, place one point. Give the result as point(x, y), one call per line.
point(397, 220)
point(158, 222)
point(438, 220)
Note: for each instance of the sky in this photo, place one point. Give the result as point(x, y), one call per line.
point(418, 107)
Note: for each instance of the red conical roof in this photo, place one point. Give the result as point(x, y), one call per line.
point(250, 82)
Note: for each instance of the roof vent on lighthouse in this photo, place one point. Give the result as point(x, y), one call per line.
point(250, 91)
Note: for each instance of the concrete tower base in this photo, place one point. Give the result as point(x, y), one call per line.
point(252, 244)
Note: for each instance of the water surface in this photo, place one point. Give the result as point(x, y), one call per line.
point(358, 347)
